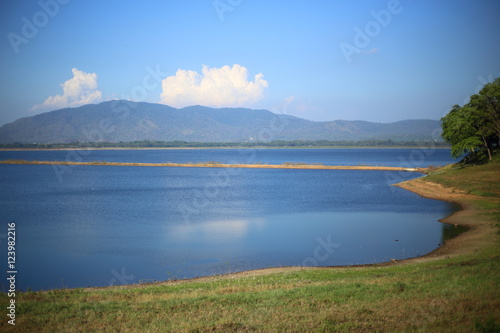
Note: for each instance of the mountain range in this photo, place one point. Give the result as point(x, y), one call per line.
point(125, 121)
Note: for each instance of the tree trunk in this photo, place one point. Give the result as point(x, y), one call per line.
point(487, 147)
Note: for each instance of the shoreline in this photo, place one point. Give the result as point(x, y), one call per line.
point(467, 242)
point(479, 233)
point(222, 165)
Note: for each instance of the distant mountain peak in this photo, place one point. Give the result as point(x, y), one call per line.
point(125, 121)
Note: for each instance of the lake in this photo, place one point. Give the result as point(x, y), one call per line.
point(112, 225)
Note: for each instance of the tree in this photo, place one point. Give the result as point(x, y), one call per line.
point(488, 102)
point(474, 128)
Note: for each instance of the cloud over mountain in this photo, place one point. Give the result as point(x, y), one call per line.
point(79, 90)
point(216, 87)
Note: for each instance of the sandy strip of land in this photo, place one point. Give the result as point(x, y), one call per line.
point(120, 148)
point(221, 165)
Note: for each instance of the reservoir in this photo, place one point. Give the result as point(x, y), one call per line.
point(113, 225)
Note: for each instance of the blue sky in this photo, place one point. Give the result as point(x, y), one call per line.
point(379, 61)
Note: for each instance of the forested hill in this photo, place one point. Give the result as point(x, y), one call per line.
point(123, 121)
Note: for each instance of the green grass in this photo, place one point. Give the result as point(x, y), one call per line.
point(455, 295)
point(458, 294)
point(479, 180)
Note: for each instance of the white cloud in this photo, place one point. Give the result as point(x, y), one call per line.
point(79, 90)
point(216, 87)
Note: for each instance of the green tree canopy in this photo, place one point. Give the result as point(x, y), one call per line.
point(474, 128)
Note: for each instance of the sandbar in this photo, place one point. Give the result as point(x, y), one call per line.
point(222, 165)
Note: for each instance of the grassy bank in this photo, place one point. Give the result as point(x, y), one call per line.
point(456, 289)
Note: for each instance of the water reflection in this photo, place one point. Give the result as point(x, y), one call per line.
point(215, 231)
point(451, 231)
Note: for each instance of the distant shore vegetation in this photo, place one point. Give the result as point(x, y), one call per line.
point(255, 144)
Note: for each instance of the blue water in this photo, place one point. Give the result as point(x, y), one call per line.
point(383, 157)
point(112, 225)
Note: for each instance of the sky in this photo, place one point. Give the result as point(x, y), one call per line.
point(323, 60)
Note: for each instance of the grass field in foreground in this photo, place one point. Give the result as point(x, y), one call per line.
point(457, 294)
